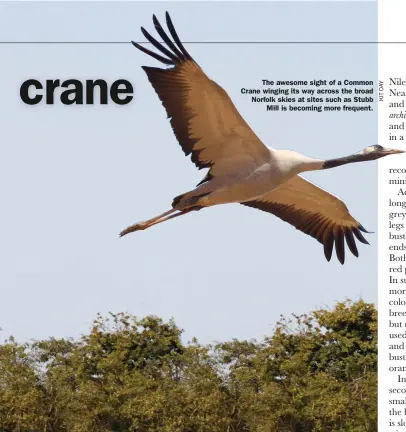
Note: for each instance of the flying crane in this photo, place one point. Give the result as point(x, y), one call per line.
point(242, 169)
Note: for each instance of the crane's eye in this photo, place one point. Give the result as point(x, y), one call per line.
point(378, 147)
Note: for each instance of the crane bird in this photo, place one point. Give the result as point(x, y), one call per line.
point(241, 168)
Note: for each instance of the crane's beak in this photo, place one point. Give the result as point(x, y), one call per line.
point(389, 151)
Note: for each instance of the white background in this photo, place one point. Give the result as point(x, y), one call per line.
point(392, 63)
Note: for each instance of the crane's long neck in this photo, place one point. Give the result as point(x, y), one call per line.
point(296, 163)
point(332, 163)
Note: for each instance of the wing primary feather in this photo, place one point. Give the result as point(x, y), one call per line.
point(328, 245)
point(339, 243)
point(364, 230)
point(152, 54)
point(314, 230)
point(158, 46)
point(165, 37)
point(359, 236)
point(349, 237)
point(176, 37)
point(321, 229)
point(314, 223)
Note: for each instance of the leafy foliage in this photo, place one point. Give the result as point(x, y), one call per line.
point(317, 372)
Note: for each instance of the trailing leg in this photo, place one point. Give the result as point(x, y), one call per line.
point(156, 220)
point(145, 224)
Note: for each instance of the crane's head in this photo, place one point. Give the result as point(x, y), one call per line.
point(377, 151)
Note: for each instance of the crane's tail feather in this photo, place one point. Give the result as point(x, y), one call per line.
point(177, 200)
point(175, 55)
point(187, 200)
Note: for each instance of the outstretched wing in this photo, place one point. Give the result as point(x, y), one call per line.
point(315, 212)
point(203, 117)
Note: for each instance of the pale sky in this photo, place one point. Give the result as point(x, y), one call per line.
point(74, 176)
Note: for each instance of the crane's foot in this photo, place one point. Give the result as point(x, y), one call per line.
point(136, 227)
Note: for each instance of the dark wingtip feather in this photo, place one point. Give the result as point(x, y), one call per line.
point(175, 36)
point(359, 236)
point(364, 230)
point(340, 249)
point(339, 243)
point(352, 246)
point(166, 39)
point(152, 54)
point(341, 257)
point(158, 45)
point(145, 33)
point(328, 248)
point(155, 21)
